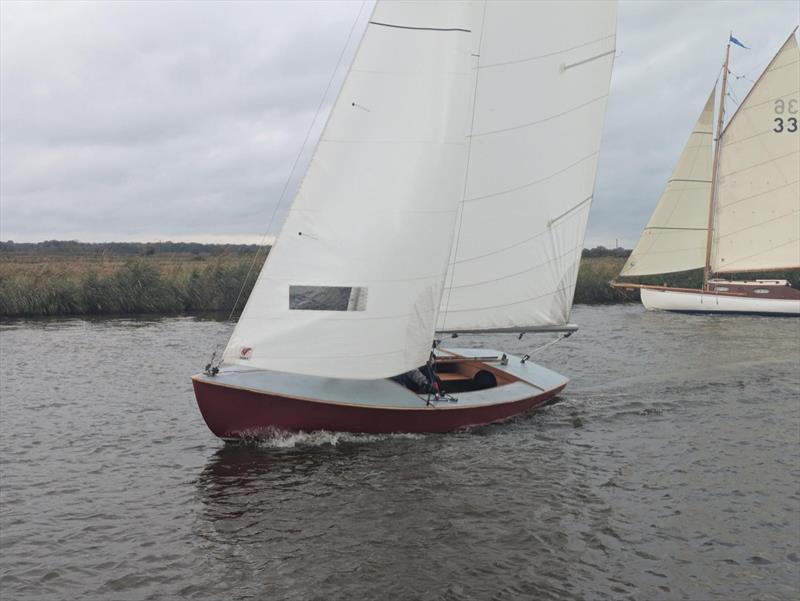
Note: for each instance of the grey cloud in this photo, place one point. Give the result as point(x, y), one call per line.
point(133, 121)
point(669, 55)
point(140, 121)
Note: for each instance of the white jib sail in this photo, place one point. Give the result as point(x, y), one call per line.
point(757, 216)
point(675, 237)
point(352, 286)
point(542, 79)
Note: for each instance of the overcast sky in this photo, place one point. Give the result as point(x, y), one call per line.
point(181, 120)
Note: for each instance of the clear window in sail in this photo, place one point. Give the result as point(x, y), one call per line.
point(327, 298)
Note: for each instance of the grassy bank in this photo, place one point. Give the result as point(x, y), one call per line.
point(595, 273)
point(32, 285)
point(102, 283)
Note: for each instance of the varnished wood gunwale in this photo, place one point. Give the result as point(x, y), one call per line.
point(776, 292)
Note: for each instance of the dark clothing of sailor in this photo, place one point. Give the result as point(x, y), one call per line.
point(414, 379)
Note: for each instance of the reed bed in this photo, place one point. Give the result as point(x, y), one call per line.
point(172, 284)
point(592, 287)
point(145, 285)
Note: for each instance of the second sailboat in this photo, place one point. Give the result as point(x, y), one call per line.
point(736, 212)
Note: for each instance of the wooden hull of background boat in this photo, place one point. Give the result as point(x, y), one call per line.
point(699, 301)
point(251, 403)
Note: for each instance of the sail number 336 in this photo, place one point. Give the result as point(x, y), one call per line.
point(785, 123)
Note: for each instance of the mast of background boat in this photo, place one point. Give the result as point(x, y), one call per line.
point(715, 165)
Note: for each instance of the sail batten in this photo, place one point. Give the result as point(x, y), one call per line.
point(542, 120)
point(419, 28)
point(548, 55)
point(534, 182)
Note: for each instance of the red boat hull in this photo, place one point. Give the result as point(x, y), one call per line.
point(235, 413)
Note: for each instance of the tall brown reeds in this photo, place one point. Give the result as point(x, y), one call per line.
point(171, 284)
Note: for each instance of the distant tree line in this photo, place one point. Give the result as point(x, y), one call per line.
point(602, 251)
point(132, 249)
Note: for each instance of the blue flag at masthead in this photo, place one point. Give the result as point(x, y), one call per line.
point(733, 40)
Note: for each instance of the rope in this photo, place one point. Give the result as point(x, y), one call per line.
point(539, 349)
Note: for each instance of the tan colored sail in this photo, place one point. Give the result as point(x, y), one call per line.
point(675, 236)
point(757, 213)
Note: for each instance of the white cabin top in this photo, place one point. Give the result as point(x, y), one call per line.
point(751, 282)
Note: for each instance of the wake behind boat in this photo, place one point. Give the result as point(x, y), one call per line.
point(738, 212)
point(448, 193)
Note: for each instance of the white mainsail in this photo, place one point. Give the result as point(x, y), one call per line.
point(757, 210)
point(675, 237)
point(542, 75)
point(351, 288)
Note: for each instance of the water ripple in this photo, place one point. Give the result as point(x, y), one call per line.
point(667, 470)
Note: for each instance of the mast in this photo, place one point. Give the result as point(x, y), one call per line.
point(715, 165)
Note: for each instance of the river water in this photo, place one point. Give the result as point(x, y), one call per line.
point(669, 469)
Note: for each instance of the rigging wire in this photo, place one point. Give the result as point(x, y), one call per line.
point(740, 76)
point(281, 197)
point(552, 342)
point(731, 92)
point(297, 158)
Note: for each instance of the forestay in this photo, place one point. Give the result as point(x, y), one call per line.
point(352, 286)
point(542, 74)
point(757, 217)
point(675, 236)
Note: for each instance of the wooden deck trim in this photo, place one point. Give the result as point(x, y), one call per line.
point(452, 377)
point(456, 359)
point(627, 286)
